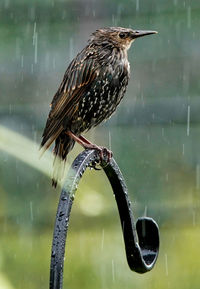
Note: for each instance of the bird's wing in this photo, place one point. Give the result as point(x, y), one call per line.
point(80, 73)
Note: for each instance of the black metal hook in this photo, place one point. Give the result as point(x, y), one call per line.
point(141, 240)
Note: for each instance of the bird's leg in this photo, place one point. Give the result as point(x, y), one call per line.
point(88, 145)
point(83, 141)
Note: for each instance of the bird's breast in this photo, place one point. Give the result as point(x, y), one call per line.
point(104, 94)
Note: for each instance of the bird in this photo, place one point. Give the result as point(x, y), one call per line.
point(92, 88)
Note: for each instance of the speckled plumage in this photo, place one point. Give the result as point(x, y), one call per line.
point(92, 87)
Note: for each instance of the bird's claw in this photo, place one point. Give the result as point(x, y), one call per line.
point(93, 166)
point(105, 155)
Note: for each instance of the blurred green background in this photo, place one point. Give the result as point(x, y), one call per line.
point(154, 136)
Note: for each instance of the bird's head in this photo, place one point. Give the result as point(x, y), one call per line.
point(118, 36)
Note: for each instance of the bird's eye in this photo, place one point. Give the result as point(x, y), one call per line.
point(122, 35)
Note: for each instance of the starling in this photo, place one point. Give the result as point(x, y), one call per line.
point(92, 88)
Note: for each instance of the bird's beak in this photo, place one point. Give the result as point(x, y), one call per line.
point(140, 33)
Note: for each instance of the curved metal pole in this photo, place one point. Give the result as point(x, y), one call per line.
point(141, 240)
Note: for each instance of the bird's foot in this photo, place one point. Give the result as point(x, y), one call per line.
point(93, 165)
point(103, 151)
point(105, 154)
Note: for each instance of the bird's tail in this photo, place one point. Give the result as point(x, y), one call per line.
point(63, 145)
